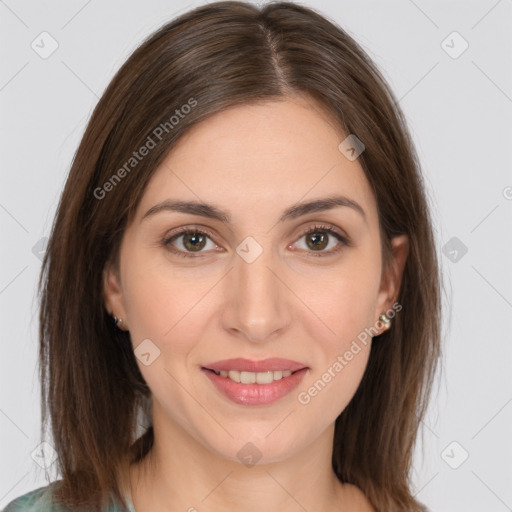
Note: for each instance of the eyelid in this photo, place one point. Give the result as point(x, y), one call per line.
point(331, 228)
point(190, 228)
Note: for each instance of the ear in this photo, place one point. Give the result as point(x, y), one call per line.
point(113, 295)
point(392, 276)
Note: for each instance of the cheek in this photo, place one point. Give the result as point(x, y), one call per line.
point(338, 318)
point(171, 310)
point(342, 348)
point(160, 302)
point(340, 300)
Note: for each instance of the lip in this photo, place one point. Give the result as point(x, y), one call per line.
point(255, 394)
point(247, 365)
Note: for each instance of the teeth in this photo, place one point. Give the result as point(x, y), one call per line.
point(254, 377)
point(248, 377)
point(234, 375)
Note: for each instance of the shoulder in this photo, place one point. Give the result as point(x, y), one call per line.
point(33, 501)
point(40, 500)
point(357, 498)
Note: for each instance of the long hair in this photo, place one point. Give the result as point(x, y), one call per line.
point(211, 58)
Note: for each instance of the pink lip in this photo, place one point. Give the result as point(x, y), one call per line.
point(246, 365)
point(255, 394)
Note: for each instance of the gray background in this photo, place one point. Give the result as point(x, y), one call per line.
point(460, 113)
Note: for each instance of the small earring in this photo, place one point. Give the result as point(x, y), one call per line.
point(385, 320)
point(117, 322)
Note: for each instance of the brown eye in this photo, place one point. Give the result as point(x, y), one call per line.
point(317, 240)
point(192, 241)
point(320, 237)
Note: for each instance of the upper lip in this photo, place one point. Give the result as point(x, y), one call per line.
point(246, 365)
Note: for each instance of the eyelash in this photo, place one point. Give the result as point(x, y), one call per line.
point(167, 242)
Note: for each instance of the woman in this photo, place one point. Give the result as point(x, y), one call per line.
point(242, 260)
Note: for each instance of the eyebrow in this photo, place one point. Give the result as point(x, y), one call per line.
point(293, 212)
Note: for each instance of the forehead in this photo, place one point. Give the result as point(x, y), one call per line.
point(267, 155)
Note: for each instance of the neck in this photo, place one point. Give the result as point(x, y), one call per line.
point(181, 474)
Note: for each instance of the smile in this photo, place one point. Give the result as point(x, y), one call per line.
point(247, 382)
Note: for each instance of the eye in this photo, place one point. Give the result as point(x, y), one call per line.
point(317, 239)
point(193, 241)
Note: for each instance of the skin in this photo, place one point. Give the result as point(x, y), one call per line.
point(253, 161)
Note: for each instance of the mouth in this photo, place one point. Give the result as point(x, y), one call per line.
point(249, 382)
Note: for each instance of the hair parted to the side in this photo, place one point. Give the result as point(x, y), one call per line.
point(221, 55)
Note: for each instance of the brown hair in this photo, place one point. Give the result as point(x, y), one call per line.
point(211, 58)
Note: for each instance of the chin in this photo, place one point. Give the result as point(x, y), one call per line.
point(265, 447)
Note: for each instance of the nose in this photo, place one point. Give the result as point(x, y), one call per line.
point(257, 301)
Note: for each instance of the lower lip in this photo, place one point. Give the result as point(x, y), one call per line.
point(255, 394)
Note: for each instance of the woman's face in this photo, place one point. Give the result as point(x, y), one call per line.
point(251, 285)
